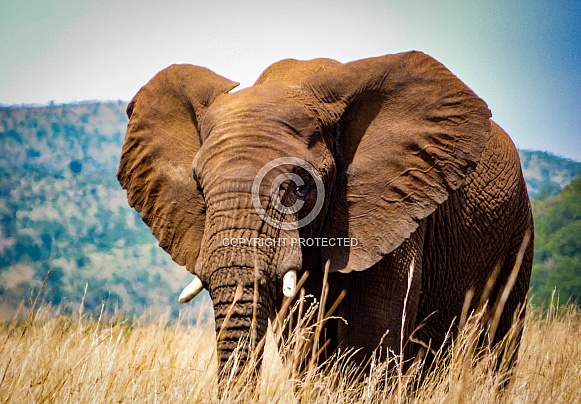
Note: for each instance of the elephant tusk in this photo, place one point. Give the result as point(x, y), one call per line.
point(191, 290)
point(289, 283)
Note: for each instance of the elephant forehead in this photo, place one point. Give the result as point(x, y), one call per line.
point(268, 108)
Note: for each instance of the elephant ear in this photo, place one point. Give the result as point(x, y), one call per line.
point(156, 160)
point(407, 133)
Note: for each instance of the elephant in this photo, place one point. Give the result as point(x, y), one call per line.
point(386, 176)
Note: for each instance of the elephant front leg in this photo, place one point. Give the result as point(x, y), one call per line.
point(302, 325)
point(380, 305)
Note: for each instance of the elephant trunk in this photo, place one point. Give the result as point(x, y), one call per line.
point(241, 280)
point(242, 308)
point(244, 276)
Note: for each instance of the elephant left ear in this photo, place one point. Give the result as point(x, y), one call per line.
point(163, 137)
point(407, 132)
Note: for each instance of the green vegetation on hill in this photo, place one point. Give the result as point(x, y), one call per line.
point(61, 207)
point(557, 261)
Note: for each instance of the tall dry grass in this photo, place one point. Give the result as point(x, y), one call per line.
point(52, 357)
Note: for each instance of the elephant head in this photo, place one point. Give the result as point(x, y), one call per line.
point(375, 145)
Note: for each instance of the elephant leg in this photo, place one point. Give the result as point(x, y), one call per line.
point(295, 320)
point(327, 343)
point(379, 300)
point(509, 329)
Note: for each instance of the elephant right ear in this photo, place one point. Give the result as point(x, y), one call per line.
point(406, 133)
point(156, 160)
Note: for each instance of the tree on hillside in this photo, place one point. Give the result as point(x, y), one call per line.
point(557, 262)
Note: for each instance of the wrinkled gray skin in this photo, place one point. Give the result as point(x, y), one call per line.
point(413, 168)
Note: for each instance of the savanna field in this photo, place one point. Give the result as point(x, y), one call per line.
point(47, 356)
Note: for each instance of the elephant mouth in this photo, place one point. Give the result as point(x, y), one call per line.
point(193, 289)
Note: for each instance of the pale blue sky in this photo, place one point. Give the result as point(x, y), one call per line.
point(522, 57)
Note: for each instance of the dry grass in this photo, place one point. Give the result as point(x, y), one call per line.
point(71, 358)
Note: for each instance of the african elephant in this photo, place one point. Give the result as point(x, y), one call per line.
point(397, 158)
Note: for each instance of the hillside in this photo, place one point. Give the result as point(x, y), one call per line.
point(545, 173)
point(558, 246)
point(62, 208)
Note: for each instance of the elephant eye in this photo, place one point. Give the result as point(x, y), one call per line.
point(302, 190)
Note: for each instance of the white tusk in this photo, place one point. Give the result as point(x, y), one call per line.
point(191, 290)
point(289, 283)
